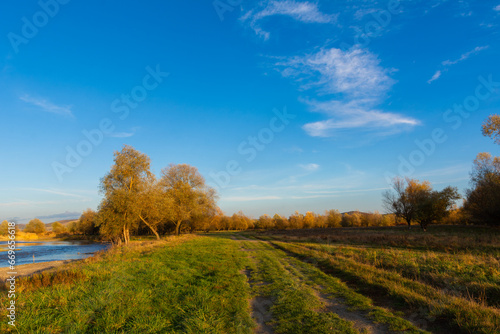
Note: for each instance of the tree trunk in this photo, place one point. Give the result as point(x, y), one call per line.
point(178, 227)
point(150, 227)
point(124, 235)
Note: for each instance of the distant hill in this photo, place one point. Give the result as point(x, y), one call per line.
point(65, 223)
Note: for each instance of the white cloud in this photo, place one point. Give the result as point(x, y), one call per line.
point(466, 55)
point(497, 8)
point(354, 115)
point(355, 72)
point(359, 84)
point(447, 63)
point(47, 106)
point(434, 77)
point(310, 167)
point(305, 12)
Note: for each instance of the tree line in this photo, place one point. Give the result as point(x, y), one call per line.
point(137, 202)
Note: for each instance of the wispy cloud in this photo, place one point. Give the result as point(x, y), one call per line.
point(466, 55)
point(447, 63)
point(354, 114)
point(497, 8)
point(359, 84)
point(47, 106)
point(249, 198)
point(434, 77)
point(306, 12)
point(55, 192)
point(310, 167)
point(128, 134)
point(355, 72)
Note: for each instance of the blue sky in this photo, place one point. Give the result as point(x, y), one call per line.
point(282, 105)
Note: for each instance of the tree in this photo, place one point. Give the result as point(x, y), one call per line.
point(122, 188)
point(156, 206)
point(189, 194)
point(309, 219)
point(265, 222)
point(402, 200)
point(35, 226)
point(280, 222)
point(334, 218)
point(482, 202)
point(433, 206)
point(4, 228)
point(87, 224)
point(296, 220)
point(491, 128)
point(58, 228)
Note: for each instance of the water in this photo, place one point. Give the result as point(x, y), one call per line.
point(46, 251)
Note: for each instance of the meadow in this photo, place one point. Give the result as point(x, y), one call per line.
point(345, 280)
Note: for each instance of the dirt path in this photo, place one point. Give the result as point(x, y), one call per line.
point(33, 268)
point(260, 305)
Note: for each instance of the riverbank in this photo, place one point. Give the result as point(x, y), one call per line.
point(34, 268)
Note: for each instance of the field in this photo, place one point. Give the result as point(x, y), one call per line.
point(349, 280)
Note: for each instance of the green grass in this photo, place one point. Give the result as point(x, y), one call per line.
point(294, 304)
point(307, 281)
point(470, 276)
point(190, 285)
point(453, 312)
point(294, 286)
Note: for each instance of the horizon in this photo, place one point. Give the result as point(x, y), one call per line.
point(282, 106)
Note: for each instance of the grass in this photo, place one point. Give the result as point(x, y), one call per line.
point(366, 280)
point(188, 285)
point(294, 287)
point(453, 285)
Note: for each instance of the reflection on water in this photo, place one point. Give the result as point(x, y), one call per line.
point(45, 251)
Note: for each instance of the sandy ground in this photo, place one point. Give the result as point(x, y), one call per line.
point(32, 268)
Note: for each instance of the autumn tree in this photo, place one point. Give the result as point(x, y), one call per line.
point(491, 128)
point(388, 220)
point(188, 192)
point(296, 220)
point(265, 222)
point(309, 220)
point(433, 206)
point(87, 224)
point(216, 220)
point(4, 228)
point(333, 218)
point(280, 222)
point(483, 199)
point(58, 228)
point(35, 226)
point(123, 187)
point(402, 200)
point(156, 205)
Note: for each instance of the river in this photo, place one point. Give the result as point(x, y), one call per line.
point(45, 251)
